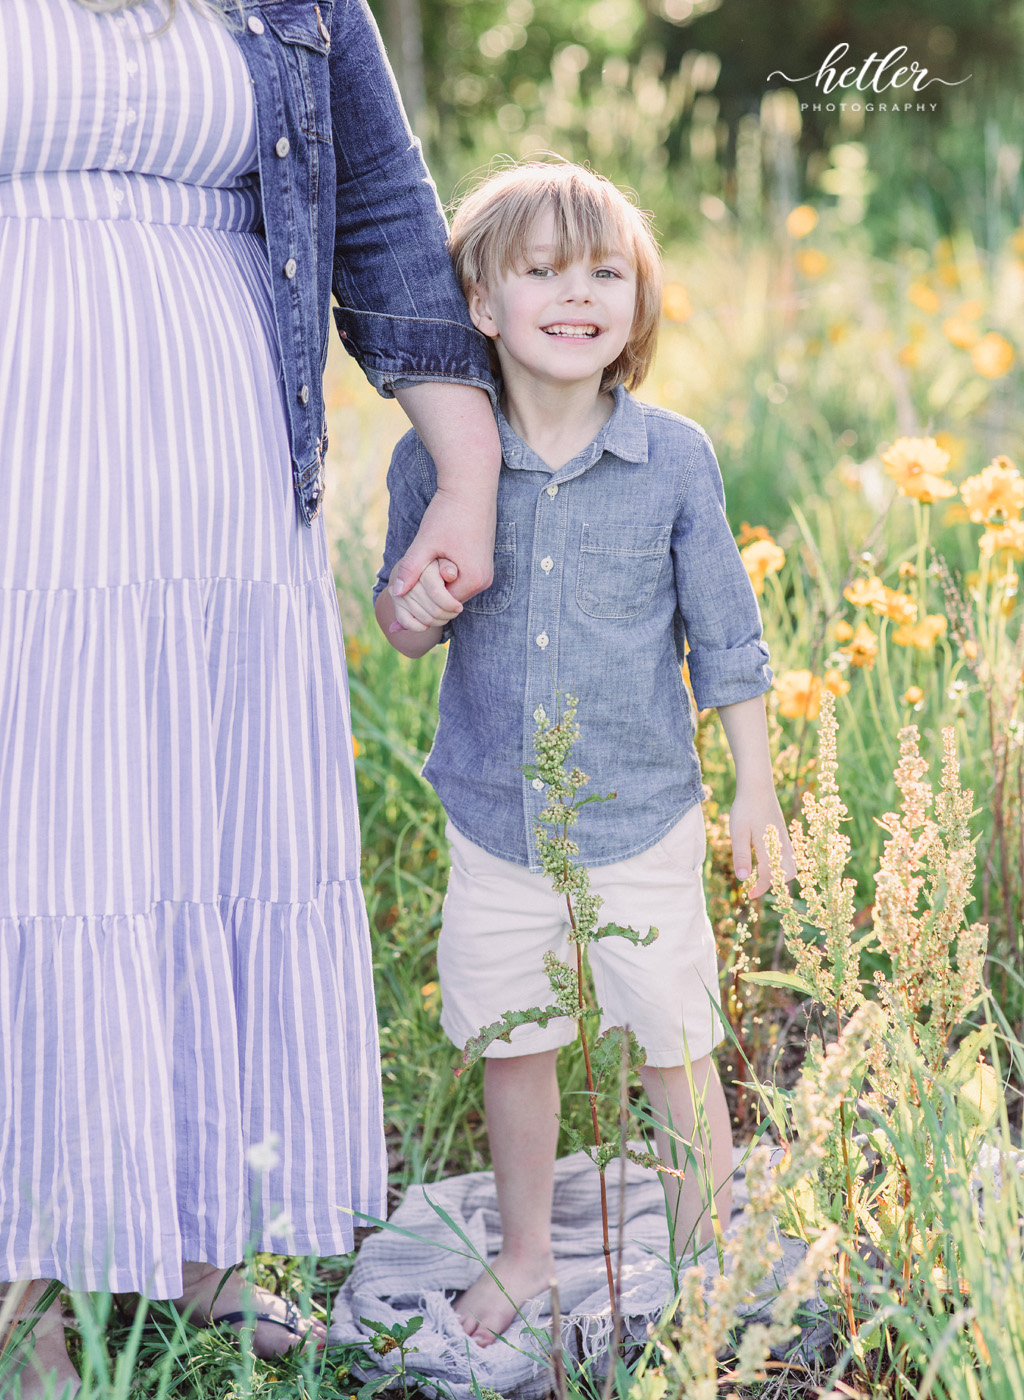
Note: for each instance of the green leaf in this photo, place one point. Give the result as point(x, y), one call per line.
point(789, 980)
point(617, 931)
point(502, 1030)
point(962, 1063)
point(606, 1056)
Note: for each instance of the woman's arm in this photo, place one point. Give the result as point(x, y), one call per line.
point(400, 310)
point(456, 426)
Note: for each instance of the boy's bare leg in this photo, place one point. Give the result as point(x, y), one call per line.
point(668, 1091)
point(47, 1370)
point(521, 1102)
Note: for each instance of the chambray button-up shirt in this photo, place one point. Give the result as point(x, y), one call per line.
point(603, 572)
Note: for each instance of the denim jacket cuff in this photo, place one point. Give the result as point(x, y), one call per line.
point(398, 350)
point(729, 676)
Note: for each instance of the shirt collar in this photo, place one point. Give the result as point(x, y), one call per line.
point(624, 435)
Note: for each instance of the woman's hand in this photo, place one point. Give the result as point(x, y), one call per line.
point(456, 425)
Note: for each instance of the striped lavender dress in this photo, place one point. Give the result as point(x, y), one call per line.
point(188, 1053)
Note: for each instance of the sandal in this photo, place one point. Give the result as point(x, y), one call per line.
point(291, 1322)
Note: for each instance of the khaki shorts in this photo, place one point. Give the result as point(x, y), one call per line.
point(499, 919)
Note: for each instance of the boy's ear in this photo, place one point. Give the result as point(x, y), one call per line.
point(479, 311)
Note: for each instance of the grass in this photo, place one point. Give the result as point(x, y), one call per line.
point(803, 368)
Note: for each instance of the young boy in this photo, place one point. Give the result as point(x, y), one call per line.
point(612, 553)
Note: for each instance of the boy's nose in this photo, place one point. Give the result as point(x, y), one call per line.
point(578, 287)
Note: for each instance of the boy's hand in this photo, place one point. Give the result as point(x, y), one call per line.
point(749, 818)
point(428, 603)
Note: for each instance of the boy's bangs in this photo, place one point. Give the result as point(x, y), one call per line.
point(587, 224)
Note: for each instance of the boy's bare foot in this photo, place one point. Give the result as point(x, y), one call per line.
point(46, 1370)
point(279, 1327)
point(485, 1311)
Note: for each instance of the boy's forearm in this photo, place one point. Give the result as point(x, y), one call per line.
point(411, 644)
point(746, 729)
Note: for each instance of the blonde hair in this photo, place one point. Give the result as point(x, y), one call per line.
point(491, 233)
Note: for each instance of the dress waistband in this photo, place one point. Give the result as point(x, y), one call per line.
point(110, 194)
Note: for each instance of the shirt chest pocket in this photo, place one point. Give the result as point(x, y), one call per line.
point(497, 598)
point(619, 568)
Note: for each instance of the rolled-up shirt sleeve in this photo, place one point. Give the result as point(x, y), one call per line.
point(717, 609)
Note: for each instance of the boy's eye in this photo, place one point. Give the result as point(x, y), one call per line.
point(540, 272)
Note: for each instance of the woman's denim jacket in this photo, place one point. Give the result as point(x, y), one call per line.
point(348, 206)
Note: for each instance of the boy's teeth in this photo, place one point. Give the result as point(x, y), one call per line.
point(579, 332)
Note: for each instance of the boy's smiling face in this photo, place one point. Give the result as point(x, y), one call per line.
point(560, 327)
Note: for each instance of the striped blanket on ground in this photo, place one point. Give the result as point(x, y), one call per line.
point(431, 1252)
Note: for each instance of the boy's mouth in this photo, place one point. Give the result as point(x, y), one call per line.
point(571, 332)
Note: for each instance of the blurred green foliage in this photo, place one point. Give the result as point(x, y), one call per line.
point(672, 98)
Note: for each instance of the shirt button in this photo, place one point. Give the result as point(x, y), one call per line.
point(304, 394)
point(291, 267)
point(256, 25)
point(119, 195)
point(283, 146)
point(131, 66)
point(538, 784)
point(552, 490)
point(542, 640)
point(120, 158)
point(547, 564)
point(131, 116)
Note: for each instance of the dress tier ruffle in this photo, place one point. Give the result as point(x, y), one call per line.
point(188, 1055)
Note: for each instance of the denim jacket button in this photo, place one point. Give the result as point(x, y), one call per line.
point(283, 146)
point(547, 564)
point(543, 640)
point(552, 490)
point(304, 394)
point(256, 25)
point(538, 784)
point(291, 267)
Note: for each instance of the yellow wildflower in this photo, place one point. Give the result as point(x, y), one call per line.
point(357, 747)
point(913, 695)
point(925, 298)
point(898, 607)
point(909, 355)
point(970, 310)
point(761, 558)
point(908, 569)
point(748, 533)
point(885, 602)
point(960, 332)
point(812, 262)
point(801, 221)
point(863, 648)
point(997, 489)
point(993, 356)
point(923, 634)
point(843, 631)
point(1008, 537)
point(677, 305)
point(917, 466)
point(955, 446)
point(836, 682)
point(355, 651)
point(799, 695)
point(971, 650)
point(865, 592)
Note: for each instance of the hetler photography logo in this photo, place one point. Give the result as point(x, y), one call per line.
point(875, 75)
